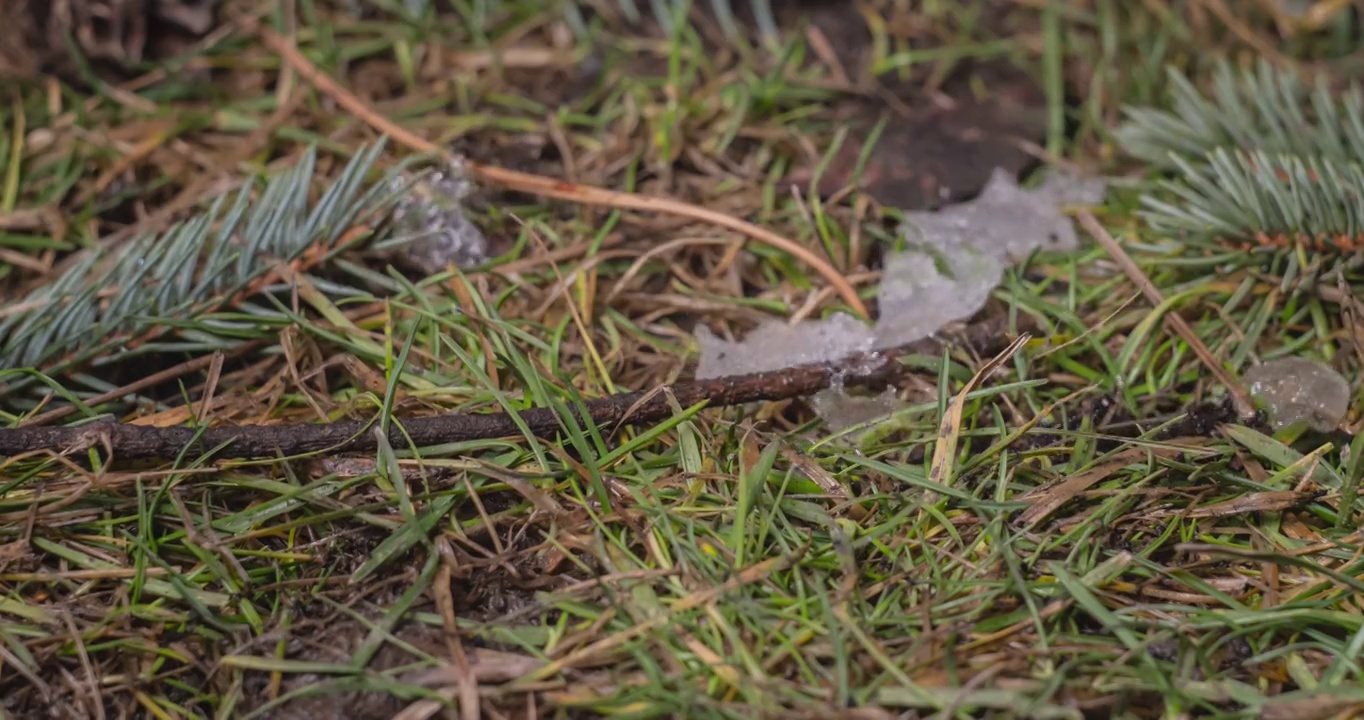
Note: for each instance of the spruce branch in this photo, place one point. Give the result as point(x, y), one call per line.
point(1265, 162)
point(1258, 199)
point(1261, 108)
point(162, 291)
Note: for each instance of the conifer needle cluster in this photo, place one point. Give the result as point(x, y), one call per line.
point(179, 290)
point(1262, 160)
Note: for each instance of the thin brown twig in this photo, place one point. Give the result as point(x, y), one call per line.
point(140, 442)
point(1173, 322)
point(551, 187)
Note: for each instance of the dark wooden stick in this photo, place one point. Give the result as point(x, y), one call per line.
point(139, 442)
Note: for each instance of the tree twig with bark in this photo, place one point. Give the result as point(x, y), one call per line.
point(126, 442)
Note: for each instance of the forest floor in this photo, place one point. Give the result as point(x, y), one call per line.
point(1092, 531)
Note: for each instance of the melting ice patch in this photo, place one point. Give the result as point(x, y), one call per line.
point(975, 243)
point(777, 345)
point(841, 410)
point(1297, 389)
point(917, 301)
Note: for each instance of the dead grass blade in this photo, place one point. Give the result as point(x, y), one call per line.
point(949, 430)
point(558, 189)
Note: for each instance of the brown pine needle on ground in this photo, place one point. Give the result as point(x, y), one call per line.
point(1244, 406)
point(554, 188)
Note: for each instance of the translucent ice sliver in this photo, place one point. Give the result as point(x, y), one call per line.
point(841, 410)
point(777, 345)
point(1297, 389)
point(917, 301)
point(976, 240)
point(1006, 221)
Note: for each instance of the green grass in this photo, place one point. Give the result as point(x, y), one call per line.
point(1091, 553)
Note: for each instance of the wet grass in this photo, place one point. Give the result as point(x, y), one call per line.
point(1108, 540)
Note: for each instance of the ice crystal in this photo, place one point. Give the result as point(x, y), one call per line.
point(961, 254)
point(1295, 389)
point(431, 229)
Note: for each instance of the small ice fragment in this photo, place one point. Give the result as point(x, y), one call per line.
point(1007, 221)
point(1065, 188)
point(775, 345)
point(977, 242)
point(1296, 389)
point(841, 410)
point(431, 229)
point(917, 301)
